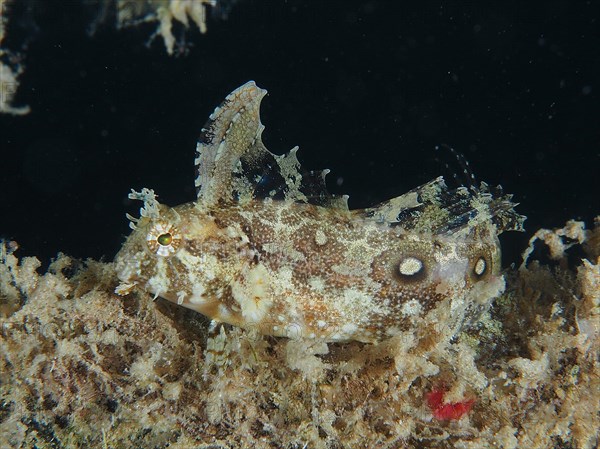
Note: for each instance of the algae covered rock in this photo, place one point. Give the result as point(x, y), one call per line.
point(82, 367)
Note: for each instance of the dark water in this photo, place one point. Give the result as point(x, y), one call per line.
point(365, 88)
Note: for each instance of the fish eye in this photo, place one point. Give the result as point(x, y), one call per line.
point(480, 267)
point(411, 268)
point(163, 239)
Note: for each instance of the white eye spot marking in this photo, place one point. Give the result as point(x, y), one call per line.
point(320, 237)
point(410, 266)
point(480, 266)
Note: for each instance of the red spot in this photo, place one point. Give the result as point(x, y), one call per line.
point(450, 411)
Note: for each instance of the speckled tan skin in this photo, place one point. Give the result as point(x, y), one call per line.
point(265, 247)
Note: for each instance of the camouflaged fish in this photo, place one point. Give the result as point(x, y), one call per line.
point(266, 247)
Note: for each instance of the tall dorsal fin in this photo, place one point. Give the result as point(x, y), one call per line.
point(234, 165)
point(433, 208)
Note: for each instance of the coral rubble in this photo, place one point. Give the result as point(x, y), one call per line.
point(128, 13)
point(166, 12)
point(82, 367)
point(9, 72)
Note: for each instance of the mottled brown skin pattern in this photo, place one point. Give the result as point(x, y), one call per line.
point(303, 278)
point(267, 248)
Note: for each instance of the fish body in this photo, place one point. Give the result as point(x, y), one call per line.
point(266, 247)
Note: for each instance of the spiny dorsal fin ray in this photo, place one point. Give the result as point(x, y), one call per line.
point(234, 165)
point(435, 209)
point(232, 129)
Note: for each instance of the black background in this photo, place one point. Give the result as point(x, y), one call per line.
point(365, 88)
